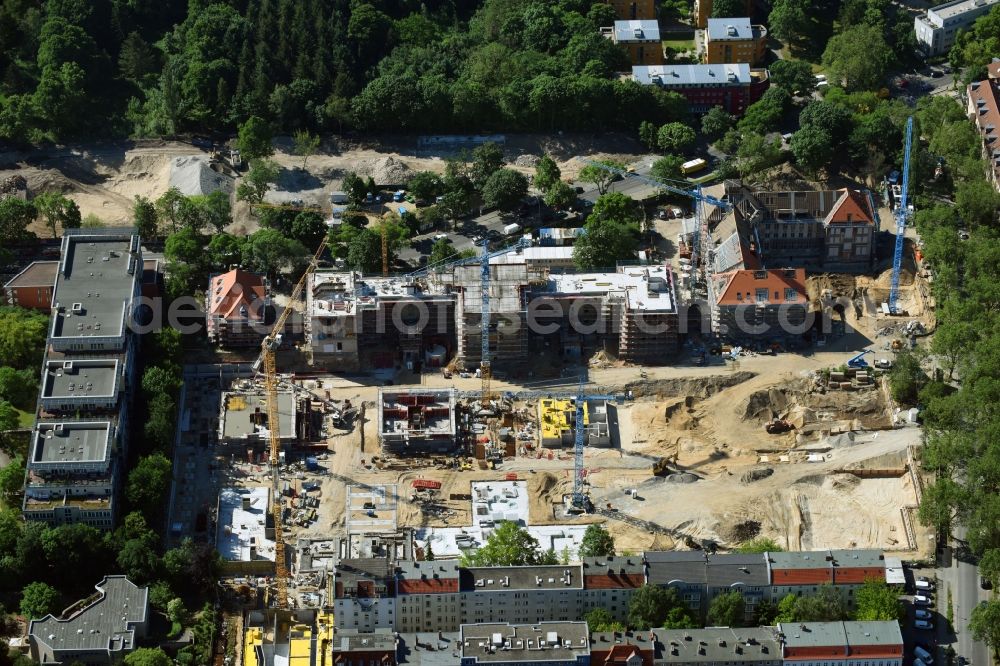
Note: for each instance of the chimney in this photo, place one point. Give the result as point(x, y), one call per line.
point(246, 502)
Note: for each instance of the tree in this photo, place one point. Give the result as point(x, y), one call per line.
point(765, 114)
point(906, 378)
point(597, 542)
point(789, 20)
point(441, 251)
point(600, 619)
point(12, 477)
point(148, 657)
point(878, 601)
point(977, 202)
point(210, 210)
point(717, 121)
point(57, 211)
point(305, 144)
point(675, 137)
point(601, 178)
point(138, 559)
point(614, 207)
point(258, 179)
point(429, 553)
point(187, 245)
point(22, 336)
point(547, 173)
point(255, 136)
point(985, 624)
point(148, 483)
point(425, 185)
point(508, 545)
point(268, 251)
point(655, 606)
point(176, 611)
point(15, 216)
point(560, 196)
point(38, 600)
point(795, 76)
point(728, 8)
point(225, 251)
point(604, 243)
point(144, 218)
point(486, 160)
point(812, 148)
point(756, 155)
point(727, 610)
point(786, 609)
point(858, 57)
point(759, 545)
point(826, 605)
point(505, 189)
point(647, 134)
point(364, 251)
point(667, 167)
point(160, 423)
point(192, 566)
point(830, 117)
point(168, 207)
point(18, 387)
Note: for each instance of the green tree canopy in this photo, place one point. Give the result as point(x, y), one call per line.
point(727, 610)
point(504, 189)
point(12, 477)
point(759, 545)
point(148, 657)
point(508, 545)
point(22, 336)
point(675, 137)
point(789, 20)
point(258, 179)
point(425, 185)
point(560, 196)
point(876, 600)
point(667, 167)
point(547, 173)
point(487, 159)
point(38, 600)
point(812, 148)
point(795, 76)
point(148, 483)
point(859, 57)
point(58, 211)
point(600, 619)
point(145, 218)
point(728, 8)
point(255, 137)
point(985, 624)
point(604, 243)
point(19, 387)
point(655, 606)
point(268, 251)
point(601, 178)
point(15, 216)
point(305, 144)
point(717, 121)
point(597, 542)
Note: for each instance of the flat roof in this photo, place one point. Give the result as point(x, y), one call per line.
point(71, 442)
point(894, 574)
point(873, 633)
point(103, 625)
point(494, 501)
point(637, 31)
point(240, 528)
point(648, 288)
point(725, 29)
point(735, 569)
point(531, 577)
point(536, 253)
point(96, 281)
point(813, 634)
point(342, 293)
point(454, 541)
point(71, 377)
point(363, 642)
point(693, 75)
point(687, 566)
point(952, 9)
point(861, 557)
point(719, 645)
point(807, 559)
point(36, 274)
point(546, 641)
point(238, 407)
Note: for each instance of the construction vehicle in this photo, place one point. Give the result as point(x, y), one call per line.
point(903, 213)
point(267, 364)
point(778, 426)
point(859, 360)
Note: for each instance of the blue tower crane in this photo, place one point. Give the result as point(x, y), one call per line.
point(902, 213)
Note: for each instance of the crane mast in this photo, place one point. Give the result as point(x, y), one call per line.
point(902, 213)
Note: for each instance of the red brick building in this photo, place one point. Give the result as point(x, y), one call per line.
point(734, 86)
point(32, 287)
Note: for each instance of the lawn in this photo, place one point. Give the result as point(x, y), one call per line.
point(25, 419)
point(679, 45)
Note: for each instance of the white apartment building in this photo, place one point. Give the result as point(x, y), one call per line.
point(936, 31)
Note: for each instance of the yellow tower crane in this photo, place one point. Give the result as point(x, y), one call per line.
point(267, 363)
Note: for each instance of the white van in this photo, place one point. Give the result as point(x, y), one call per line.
point(923, 655)
point(924, 585)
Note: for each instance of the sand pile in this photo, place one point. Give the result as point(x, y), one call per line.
point(193, 175)
point(385, 171)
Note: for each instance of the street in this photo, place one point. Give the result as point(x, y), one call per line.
point(959, 575)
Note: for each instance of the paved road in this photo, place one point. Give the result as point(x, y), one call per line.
point(961, 577)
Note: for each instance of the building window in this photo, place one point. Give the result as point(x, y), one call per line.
point(761, 295)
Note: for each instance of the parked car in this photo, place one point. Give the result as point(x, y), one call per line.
point(925, 625)
point(924, 584)
point(883, 363)
point(438, 237)
point(920, 662)
point(985, 583)
point(922, 600)
point(922, 614)
point(923, 655)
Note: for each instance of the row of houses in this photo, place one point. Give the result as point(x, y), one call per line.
point(984, 111)
point(383, 593)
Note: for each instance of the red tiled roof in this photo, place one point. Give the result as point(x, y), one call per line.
point(741, 288)
point(984, 109)
point(227, 292)
point(801, 576)
point(993, 70)
point(427, 586)
point(37, 274)
point(850, 208)
point(614, 581)
point(846, 575)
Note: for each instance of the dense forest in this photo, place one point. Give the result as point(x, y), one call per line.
point(73, 68)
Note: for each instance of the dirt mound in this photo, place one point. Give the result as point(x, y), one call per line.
point(385, 171)
point(680, 415)
point(739, 532)
point(701, 387)
point(194, 175)
point(766, 405)
point(844, 482)
point(756, 474)
point(544, 483)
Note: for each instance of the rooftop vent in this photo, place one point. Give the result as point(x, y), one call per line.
point(67, 365)
point(637, 33)
point(731, 30)
point(78, 307)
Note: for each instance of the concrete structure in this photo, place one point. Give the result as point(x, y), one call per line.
point(703, 11)
point(88, 377)
point(640, 39)
point(245, 531)
point(632, 10)
point(417, 420)
point(984, 110)
point(243, 420)
point(102, 631)
point(236, 306)
point(760, 304)
point(557, 236)
point(544, 643)
point(936, 31)
point(841, 643)
point(733, 86)
point(32, 287)
point(830, 229)
point(548, 256)
point(557, 423)
point(734, 40)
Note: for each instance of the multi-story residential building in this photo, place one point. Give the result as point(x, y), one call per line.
point(32, 287)
point(640, 39)
point(382, 594)
point(733, 86)
point(236, 307)
point(633, 10)
point(762, 304)
point(541, 643)
point(103, 631)
point(936, 30)
point(734, 40)
point(88, 377)
point(841, 644)
point(984, 110)
point(834, 229)
point(703, 11)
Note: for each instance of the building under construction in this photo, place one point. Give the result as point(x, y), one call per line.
point(557, 423)
point(244, 417)
point(417, 421)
